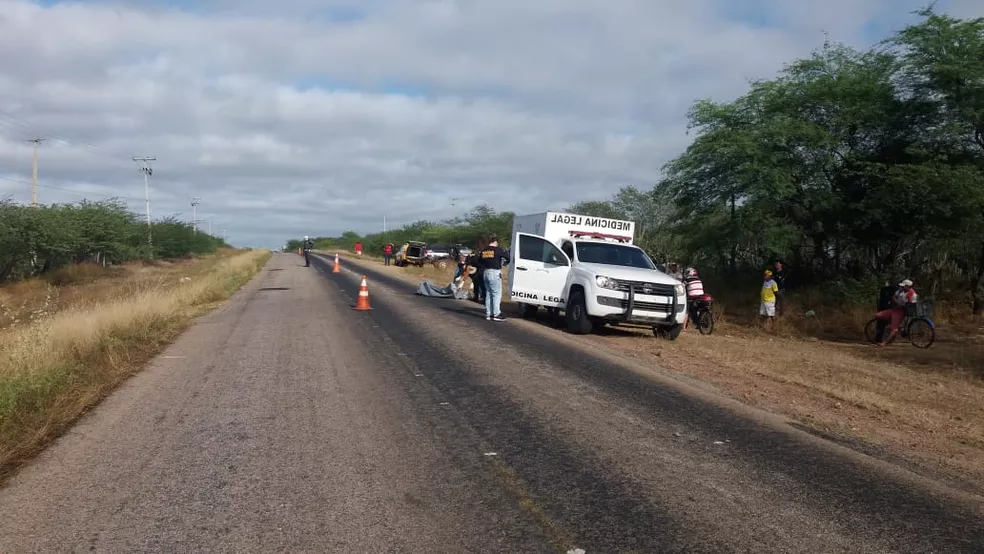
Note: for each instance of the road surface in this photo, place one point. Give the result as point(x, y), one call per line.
point(287, 422)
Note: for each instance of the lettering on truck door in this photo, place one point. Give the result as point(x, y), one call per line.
point(541, 272)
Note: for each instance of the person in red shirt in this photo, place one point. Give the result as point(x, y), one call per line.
point(358, 249)
point(896, 313)
point(387, 253)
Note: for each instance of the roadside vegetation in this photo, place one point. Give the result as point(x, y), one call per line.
point(42, 240)
point(70, 336)
point(852, 167)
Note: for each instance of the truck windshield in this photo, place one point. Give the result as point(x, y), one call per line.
point(613, 254)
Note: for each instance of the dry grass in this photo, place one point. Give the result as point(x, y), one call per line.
point(923, 406)
point(57, 363)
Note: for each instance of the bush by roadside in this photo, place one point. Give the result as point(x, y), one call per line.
point(42, 240)
point(55, 366)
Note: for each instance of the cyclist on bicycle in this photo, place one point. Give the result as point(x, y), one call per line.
point(695, 289)
point(896, 313)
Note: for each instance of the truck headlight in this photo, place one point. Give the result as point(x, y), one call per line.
point(606, 283)
point(681, 290)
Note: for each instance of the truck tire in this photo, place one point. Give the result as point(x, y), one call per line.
point(442, 263)
point(529, 310)
point(578, 322)
point(671, 333)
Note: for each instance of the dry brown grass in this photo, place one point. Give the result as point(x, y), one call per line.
point(923, 406)
point(58, 362)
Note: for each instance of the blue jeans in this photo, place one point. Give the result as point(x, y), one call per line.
point(493, 291)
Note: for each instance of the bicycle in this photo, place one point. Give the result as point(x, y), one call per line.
point(916, 325)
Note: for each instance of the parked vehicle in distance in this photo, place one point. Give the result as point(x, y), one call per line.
point(440, 254)
point(411, 253)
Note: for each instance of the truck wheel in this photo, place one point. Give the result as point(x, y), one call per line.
point(578, 322)
point(529, 310)
point(442, 264)
point(671, 333)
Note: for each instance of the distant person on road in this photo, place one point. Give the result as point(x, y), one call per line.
point(307, 246)
point(491, 259)
point(358, 249)
point(767, 309)
point(387, 253)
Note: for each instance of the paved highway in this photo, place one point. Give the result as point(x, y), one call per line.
point(288, 422)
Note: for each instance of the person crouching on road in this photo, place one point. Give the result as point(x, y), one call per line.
point(491, 259)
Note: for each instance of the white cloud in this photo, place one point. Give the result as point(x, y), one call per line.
point(523, 105)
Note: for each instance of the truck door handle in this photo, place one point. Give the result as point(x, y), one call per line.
point(521, 268)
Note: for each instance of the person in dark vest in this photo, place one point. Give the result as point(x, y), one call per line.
point(491, 259)
point(307, 246)
point(476, 276)
point(779, 276)
point(387, 253)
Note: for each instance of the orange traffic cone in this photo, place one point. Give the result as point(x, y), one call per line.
point(363, 303)
point(337, 268)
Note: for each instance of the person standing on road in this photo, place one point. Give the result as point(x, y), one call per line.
point(358, 249)
point(387, 253)
point(492, 258)
point(476, 276)
point(307, 246)
point(767, 309)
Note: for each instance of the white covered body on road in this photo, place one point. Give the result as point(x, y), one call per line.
point(589, 268)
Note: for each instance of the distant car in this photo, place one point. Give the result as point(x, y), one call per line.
point(440, 254)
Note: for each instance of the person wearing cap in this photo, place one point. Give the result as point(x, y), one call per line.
point(896, 313)
point(491, 259)
point(767, 308)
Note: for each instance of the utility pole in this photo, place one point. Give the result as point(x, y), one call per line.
point(34, 174)
point(210, 227)
point(384, 223)
point(194, 213)
point(147, 172)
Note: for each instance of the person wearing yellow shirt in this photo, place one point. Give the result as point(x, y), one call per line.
point(767, 309)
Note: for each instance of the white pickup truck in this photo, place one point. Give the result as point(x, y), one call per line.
point(588, 267)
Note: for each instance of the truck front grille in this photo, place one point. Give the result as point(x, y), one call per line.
point(642, 287)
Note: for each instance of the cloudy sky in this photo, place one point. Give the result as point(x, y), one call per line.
point(295, 117)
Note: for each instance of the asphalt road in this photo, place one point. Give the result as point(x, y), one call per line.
point(288, 422)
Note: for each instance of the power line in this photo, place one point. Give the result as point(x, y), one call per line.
point(79, 192)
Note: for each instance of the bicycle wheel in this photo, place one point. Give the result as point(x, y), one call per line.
point(870, 330)
point(921, 333)
point(705, 322)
